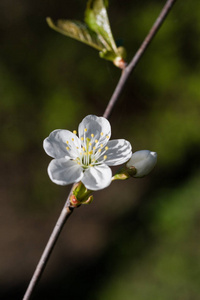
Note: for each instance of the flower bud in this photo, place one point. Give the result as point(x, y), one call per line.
point(143, 161)
point(80, 195)
point(74, 201)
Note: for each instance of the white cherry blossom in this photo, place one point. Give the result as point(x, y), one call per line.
point(85, 157)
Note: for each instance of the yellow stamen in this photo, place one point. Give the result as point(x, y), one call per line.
point(74, 132)
point(101, 133)
point(67, 142)
point(101, 145)
point(85, 129)
point(105, 156)
point(96, 141)
point(72, 139)
point(106, 148)
point(107, 136)
point(94, 148)
point(92, 135)
point(67, 148)
point(99, 150)
point(83, 148)
point(90, 144)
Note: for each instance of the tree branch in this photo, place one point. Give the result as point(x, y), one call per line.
point(65, 213)
point(131, 66)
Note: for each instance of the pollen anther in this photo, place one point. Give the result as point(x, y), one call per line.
point(74, 132)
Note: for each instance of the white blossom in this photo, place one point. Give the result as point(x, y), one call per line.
point(143, 161)
point(85, 157)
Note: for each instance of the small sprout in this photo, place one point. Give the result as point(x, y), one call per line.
point(95, 32)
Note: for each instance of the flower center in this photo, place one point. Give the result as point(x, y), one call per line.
point(92, 151)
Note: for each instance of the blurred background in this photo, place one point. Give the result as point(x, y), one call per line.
point(139, 239)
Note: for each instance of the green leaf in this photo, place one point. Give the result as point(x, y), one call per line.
point(78, 31)
point(108, 55)
point(97, 20)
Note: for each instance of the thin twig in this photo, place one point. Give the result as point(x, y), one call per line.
point(66, 212)
point(131, 66)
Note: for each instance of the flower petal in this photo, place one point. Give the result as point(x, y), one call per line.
point(97, 178)
point(64, 171)
point(95, 128)
point(56, 145)
point(119, 151)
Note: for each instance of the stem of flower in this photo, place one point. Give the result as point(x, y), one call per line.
point(65, 213)
point(131, 66)
point(67, 210)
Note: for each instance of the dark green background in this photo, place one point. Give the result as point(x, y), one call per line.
point(139, 239)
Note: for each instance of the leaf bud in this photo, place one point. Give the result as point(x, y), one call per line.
point(80, 195)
